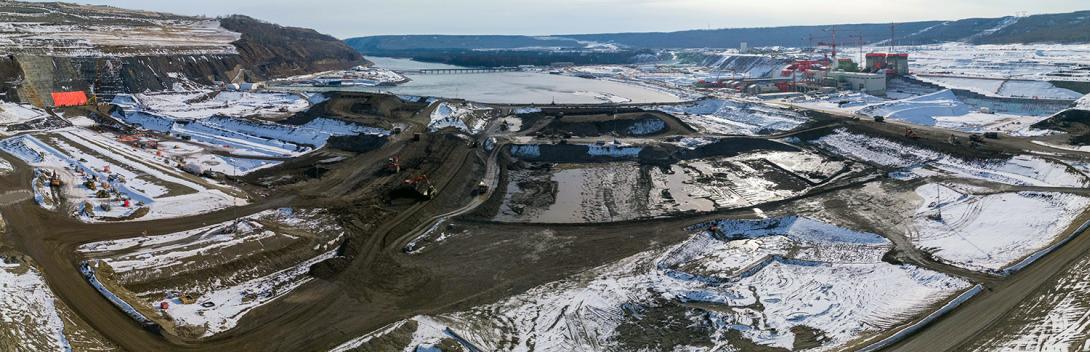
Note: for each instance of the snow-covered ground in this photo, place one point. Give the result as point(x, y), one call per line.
point(990, 232)
point(834, 283)
point(1004, 88)
point(78, 30)
point(844, 101)
point(77, 155)
point(15, 113)
point(1020, 61)
point(942, 108)
point(248, 137)
point(1056, 319)
point(233, 302)
point(916, 162)
point(357, 76)
point(224, 301)
point(28, 311)
point(206, 103)
point(464, 117)
point(728, 117)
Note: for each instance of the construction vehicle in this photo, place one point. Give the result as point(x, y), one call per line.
point(393, 165)
point(55, 180)
point(911, 134)
point(991, 135)
point(422, 185)
point(482, 188)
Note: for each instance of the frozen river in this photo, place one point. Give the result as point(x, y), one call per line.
point(511, 87)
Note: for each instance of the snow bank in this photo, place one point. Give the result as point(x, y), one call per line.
point(921, 110)
point(646, 126)
point(15, 113)
point(526, 150)
point(614, 151)
point(1019, 170)
point(527, 110)
point(733, 118)
point(202, 104)
point(458, 116)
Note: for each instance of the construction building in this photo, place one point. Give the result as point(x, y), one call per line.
point(891, 64)
point(870, 83)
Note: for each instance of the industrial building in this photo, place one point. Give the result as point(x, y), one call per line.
point(891, 63)
point(870, 83)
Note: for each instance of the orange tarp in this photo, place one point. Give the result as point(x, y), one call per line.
point(69, 98)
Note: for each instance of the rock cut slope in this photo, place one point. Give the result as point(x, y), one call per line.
point(46, 47)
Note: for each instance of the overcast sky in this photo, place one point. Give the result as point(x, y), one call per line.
point(349, 18)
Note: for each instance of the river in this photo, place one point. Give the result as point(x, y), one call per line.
point(510, 87)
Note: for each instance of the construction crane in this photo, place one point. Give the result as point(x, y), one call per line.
point(832, 44)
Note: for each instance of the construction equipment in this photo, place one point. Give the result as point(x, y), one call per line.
point(911, 134)
point(976, 138)
point(55, 180)
point(991, 135)
point(422, 185)
point(393, 165)
point(482, 188)
point(879, 118)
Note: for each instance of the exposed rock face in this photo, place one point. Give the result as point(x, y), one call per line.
point(232, 49)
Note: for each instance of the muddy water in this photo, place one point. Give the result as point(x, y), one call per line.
point(602, 193)
point(676, 184)
point(569, 197)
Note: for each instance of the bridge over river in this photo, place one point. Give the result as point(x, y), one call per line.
point(443, 71)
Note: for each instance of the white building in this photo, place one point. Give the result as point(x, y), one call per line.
point(870, 83)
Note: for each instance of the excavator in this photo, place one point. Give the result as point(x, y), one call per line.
point(393, 165)
point(422, 185)
point(911, 134)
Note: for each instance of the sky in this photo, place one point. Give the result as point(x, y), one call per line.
point(351, 18)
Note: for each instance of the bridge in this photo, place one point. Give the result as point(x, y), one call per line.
point(443, 71)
